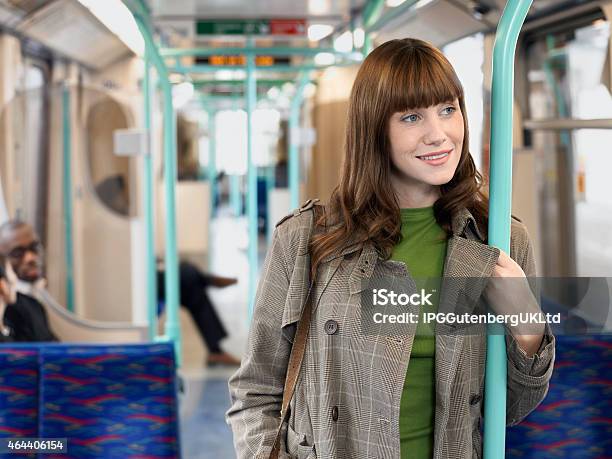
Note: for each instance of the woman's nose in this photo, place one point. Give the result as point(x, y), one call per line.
point(434, 134)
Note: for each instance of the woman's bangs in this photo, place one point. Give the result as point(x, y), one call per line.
point(420, 82)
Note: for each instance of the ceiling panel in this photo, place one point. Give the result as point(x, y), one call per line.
point(255, 8)
point(443, 21)
point(438, 23)
point(57, 24)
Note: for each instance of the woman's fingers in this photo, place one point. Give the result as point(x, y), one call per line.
point(507, 267)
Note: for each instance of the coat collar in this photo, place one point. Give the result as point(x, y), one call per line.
point(459, 223)
point(467, 255)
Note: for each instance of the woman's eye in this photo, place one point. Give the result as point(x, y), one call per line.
point(449, 110)
point(410, 118)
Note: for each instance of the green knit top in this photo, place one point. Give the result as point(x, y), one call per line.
point(423, 250)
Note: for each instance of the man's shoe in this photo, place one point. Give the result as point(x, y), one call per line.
point(222, 358)
point(221, 282)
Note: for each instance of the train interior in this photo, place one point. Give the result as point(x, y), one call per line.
point(138, 137)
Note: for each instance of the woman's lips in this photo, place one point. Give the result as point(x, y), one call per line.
point(436, 158)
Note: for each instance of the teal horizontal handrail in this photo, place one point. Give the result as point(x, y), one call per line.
point(272, 51)
point(270, 68)
point(241, 81)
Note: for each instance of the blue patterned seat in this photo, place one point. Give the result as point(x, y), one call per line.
point(19, 393)
point(109, 401)
point(575, 419)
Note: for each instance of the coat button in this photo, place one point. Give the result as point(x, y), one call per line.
point(335, 413)
point(474, 399)
point(331, 327)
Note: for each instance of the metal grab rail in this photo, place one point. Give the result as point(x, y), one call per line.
point(252, 211)
point(148, 208)
point(500, 191)
point(67, 196)
point(569, 124)
point(172, 326)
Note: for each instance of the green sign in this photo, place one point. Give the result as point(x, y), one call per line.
point(285, 26)
point(233, 27)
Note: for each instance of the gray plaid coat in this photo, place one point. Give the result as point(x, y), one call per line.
point(347, 400)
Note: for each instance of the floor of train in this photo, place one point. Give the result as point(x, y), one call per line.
point(205, 398)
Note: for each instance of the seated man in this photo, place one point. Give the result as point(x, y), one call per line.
point(26, 317)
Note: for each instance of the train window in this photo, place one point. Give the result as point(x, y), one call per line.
point(266, 125)
point(467, 57)
point(232, 134)
point(232, 141)
point(26, 118)
point(109, 173)
point(569, 79)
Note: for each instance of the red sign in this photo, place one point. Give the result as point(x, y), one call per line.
point(288, 26)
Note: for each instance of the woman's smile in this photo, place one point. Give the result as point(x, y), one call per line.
point(436, 158)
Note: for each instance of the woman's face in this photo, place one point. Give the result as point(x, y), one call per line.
point(426, 145)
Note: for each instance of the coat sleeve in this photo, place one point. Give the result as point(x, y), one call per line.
point(527, 377)
point(256, 389)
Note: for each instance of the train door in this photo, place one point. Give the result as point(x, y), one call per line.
point(25, 132)
point(32, 162)
point(567, 83)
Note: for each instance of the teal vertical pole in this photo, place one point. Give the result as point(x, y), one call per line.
point(270, 184)
point(212, 160)
point(235, 198)
point(294, 157)
point(372, 11)
point(550, 78)
point(67, 195)
point(151, 271)
point(212, 174)
point(500, 190)
point(251, 100)
point(172, 327)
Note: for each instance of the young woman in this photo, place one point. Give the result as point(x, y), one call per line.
point(409, 204)
point(8, 295)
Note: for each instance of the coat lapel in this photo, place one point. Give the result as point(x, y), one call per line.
point(466, 257)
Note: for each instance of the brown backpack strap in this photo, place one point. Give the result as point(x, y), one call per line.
point(293, 368)
point(298, 349)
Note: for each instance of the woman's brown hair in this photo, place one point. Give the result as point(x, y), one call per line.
point(397, 76)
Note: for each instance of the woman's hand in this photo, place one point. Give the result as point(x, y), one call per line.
point(508, 292)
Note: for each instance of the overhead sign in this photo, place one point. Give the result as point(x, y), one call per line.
point(287, 26)
point(260, 61)
point(240, 60)
point(251, 27)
